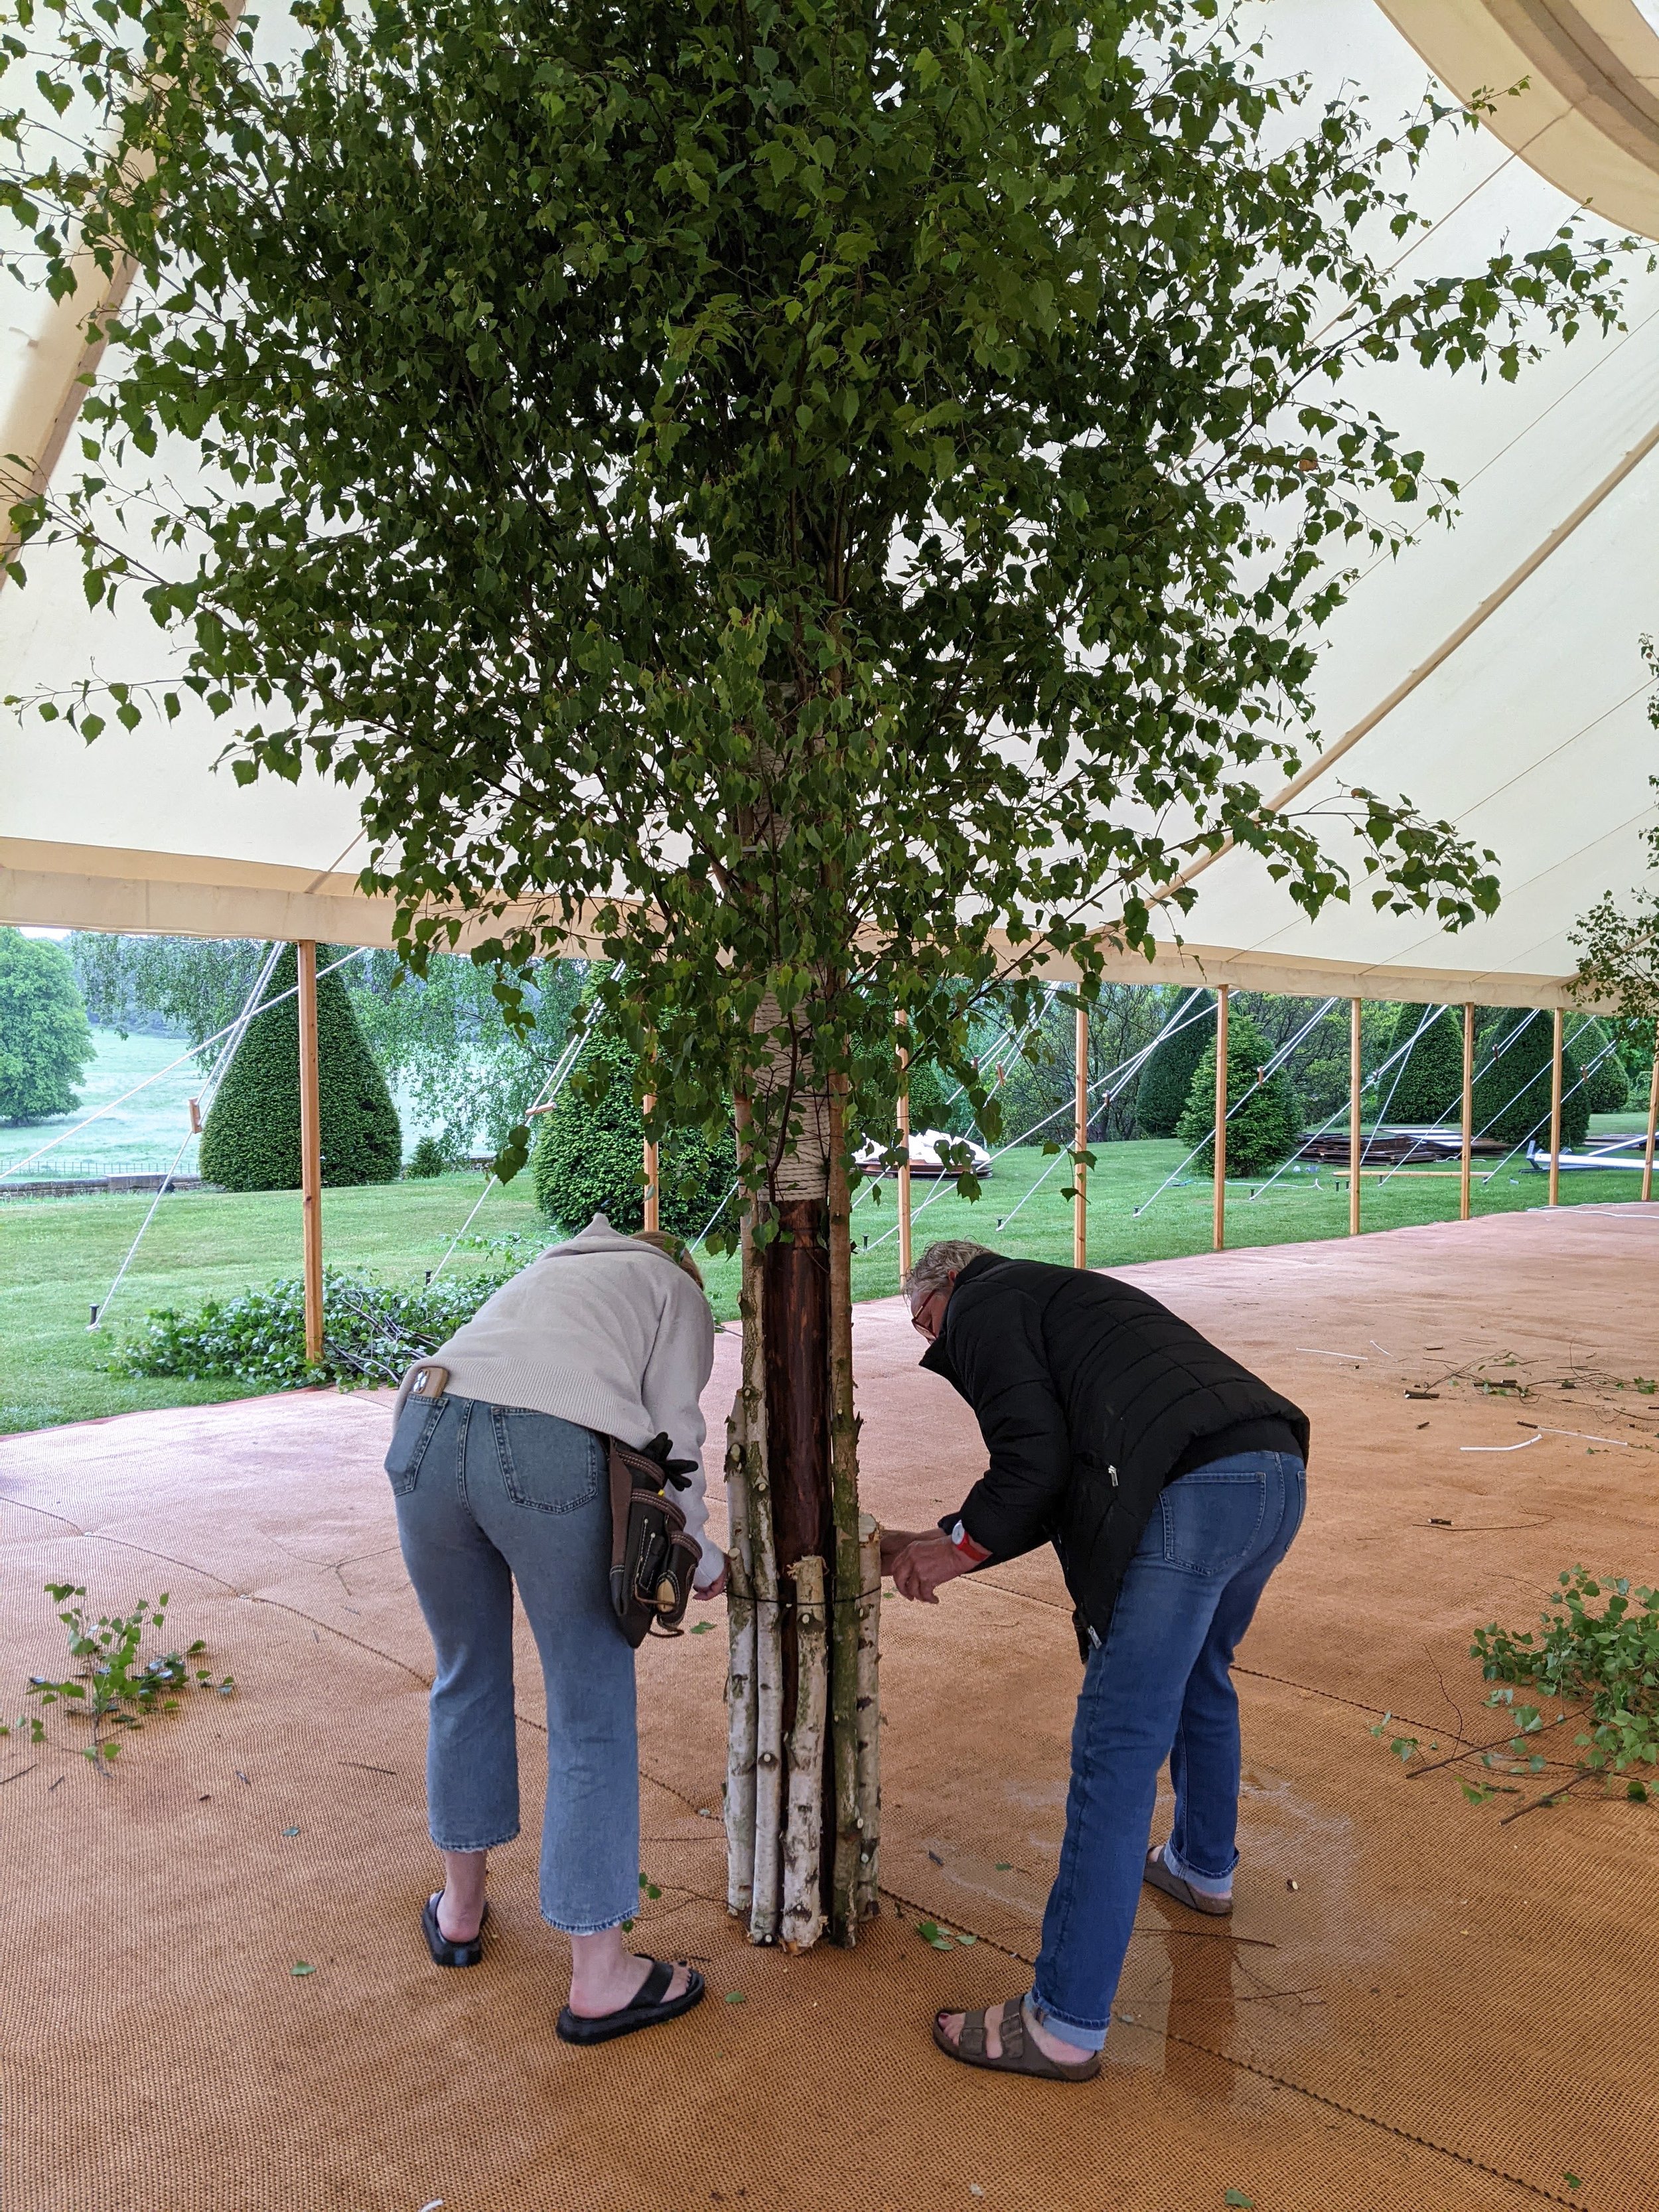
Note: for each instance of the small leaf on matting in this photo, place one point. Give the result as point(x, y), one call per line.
point(931, 1932)
point(1236, 2197)
point(966, 1939)
point(1004, 1866)
point(290, 1831)
point(703, 1628)
point(1573, 2180)
point(300, 1967)
point(736, 1996)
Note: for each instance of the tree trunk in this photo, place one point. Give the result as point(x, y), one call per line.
point(800, 1815)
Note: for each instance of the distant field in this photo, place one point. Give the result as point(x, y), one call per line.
point(57, 1256)
point(142, 1136)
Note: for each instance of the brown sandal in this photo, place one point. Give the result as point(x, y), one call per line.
point(1019, 2053)
point(1157, 1875)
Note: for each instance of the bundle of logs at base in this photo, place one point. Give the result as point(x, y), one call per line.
point(1392, 1147)
point(778, 1762)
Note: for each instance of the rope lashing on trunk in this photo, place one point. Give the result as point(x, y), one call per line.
point(233, 1034)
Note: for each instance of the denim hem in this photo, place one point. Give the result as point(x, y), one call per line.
point(490, 1843)
point(586, 1926)
point(1207, 1885)
point(1086, 2035)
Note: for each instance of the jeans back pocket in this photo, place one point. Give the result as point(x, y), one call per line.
point(550, 1465)
point(410, 1439)
point(1213, 1522)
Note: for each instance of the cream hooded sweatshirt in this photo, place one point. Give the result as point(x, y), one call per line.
point(602, 1331)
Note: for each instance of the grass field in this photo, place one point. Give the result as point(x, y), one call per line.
point(138, 1138)
point(58, 1256)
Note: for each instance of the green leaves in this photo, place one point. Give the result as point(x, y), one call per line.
point(877, 535)
point(1607, 1661)
point(114, 1688)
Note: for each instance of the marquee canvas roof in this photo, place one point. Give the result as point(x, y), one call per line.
point(1493, 673)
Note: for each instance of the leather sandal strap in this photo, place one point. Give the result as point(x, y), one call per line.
point(1013, 2030)
point(971, 2039)
point(654, 1988)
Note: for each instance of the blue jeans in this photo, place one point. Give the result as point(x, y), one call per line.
point(1157, 1688)
point(488, 1495)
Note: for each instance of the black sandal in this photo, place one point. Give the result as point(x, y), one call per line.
point(649, 2006)
point(444, 1953)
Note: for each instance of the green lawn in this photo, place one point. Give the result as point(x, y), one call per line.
point(142, 1136)
point(57, 1256)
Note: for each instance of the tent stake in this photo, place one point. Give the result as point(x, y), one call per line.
point(1080, 1173)
point(901, 1022)
point(311, 1152)
point(1468, 1109)
point(1356, 1078)
point(1653, 1123)
point(1555, 1111)
point(1219, 1237)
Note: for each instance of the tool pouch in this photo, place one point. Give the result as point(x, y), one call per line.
point(652, 1558)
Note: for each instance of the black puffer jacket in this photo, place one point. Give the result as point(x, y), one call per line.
point(1090, 1396)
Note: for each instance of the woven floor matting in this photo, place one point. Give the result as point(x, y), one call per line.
point(1414, 2005)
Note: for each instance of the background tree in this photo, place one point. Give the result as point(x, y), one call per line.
point(1261, 1122)
point(836, 505)
point(190, 986)
point(1167, 1078)
point(1512, 1081)
point(45, 1041)
point(251, 1138)
point(1594, 1046)
point(589, 1153)
point(1427, 1085)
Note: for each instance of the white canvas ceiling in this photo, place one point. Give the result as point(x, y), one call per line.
point(1505, 652)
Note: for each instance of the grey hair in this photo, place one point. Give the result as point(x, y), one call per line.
point(939, 1263)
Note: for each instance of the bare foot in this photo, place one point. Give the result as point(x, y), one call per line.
point(617, 1990)
point(1051, 2045)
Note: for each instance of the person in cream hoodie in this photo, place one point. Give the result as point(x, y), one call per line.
point(502, 1478)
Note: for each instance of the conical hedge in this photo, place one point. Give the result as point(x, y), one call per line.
point(1608, 1089)
point(589, 1152)
point(1167, 1078)
point(252, 1137)
point(1512, 1083)
point(1262, 1131)
point(1428, 1085)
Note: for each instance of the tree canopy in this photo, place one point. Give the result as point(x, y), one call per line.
point(45, 1040)
point(832, 505)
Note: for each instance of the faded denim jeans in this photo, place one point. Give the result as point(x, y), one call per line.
point(488, 1495)
point(1157, 1687)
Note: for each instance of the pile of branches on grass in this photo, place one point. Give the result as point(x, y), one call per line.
point(372, 1332)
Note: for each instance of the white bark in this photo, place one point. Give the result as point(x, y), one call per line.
point(740, 1701)
point(803, 1901)
point(768, 1619)
point(869, 1714)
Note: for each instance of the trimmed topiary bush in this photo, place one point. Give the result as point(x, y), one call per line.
point(1607, 1091)
point(1430, 1081)
point(252, 1137)
point(588, 1153)
point(1262, 1132)
point(45, 1041)
point(1512, 1083)
point(1166, 1081)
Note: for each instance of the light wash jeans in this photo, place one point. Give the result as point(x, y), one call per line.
point(1156, 1687)
point(488, 1495)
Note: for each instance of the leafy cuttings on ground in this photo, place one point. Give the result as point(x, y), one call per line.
point(1605, 1663)
point(113, 1688)
point(1599, 1669)
point(372, 1332)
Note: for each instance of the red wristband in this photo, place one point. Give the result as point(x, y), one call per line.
point(976, 1554)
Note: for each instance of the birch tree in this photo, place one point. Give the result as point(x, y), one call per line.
point(828, 506)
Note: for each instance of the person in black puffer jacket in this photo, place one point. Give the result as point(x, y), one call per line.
point(1170, 1482)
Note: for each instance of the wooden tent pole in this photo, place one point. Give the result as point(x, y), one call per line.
point(1555, 1110)
point(1219, 1234)
point(901, 1021)
point(1354, 1079)
point(311, 1152)
point(1469, 1110)
point(1080, 1134)
point(1653, 1124)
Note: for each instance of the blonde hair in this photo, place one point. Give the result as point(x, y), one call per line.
point(676, 1249)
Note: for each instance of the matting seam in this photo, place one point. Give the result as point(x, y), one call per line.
point(1279, 2081)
